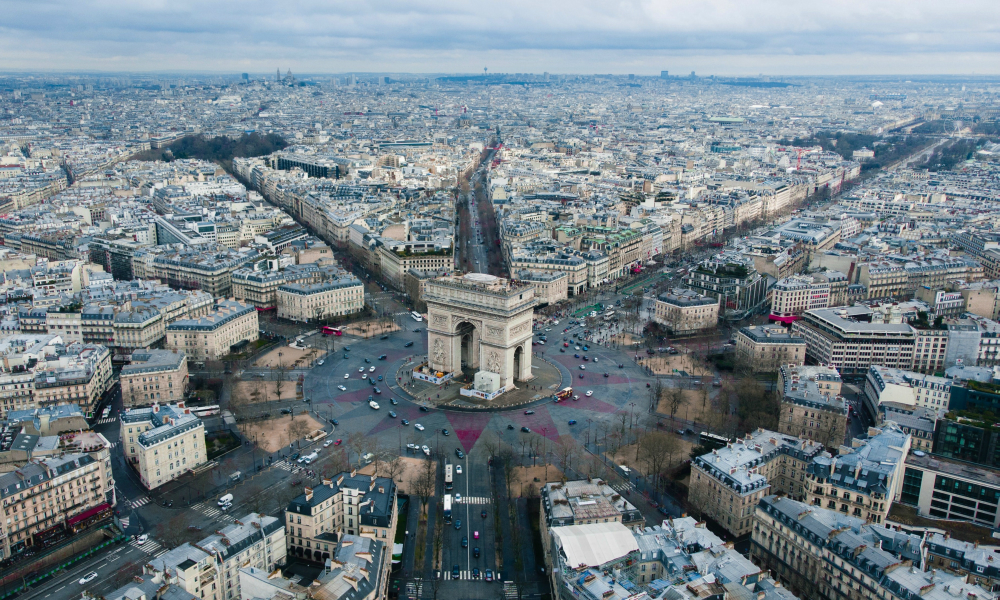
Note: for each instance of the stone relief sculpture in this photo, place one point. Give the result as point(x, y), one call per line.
point(438, 352)
point(493, 362)
point(495, 332)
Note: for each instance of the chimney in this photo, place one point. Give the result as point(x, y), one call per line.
point(328, 482)
point(309, 494)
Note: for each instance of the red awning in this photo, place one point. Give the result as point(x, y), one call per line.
point(87, 513)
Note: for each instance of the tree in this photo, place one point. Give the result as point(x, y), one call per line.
point(392, 465)
point(674, 397)
point(656, 449)
point(425, 483)
point(508, 468)
point(278, 376)
point(565, 449)
point(297, 430)
point(756, 406)
point(357, 443)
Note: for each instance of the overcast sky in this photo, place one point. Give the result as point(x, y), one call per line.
point(721, 37)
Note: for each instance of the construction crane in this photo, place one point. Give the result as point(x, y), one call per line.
point(799, 162)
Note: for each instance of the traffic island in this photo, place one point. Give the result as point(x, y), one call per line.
point(445, 392)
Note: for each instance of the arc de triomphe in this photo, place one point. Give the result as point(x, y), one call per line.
point(480, 321)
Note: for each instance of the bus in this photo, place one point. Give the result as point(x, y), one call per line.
point(416, 316)
point(712, 441)
point(447, 476)
point(327, 330)
point(447, 508)
point(564, 393)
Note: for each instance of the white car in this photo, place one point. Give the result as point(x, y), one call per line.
point(583, 367)
point(88, 578)
point(361, 369)
point(373, 404)
point(590, 393)
point(426, 450)
point(458, 469)
point(327, 443)
point(576, 347)
point(142, 539)
point(320, 361)
point(419, 427)
point(458, 497)
point(347, 375)
point(341, 388)
point(372, 369)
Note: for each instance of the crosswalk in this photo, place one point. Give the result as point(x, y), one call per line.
point(213, 512)
point(622, 488)
point(286, 466)
point(149, 547)
point(124, 522)
point(474, 500)
point(140, 502)
point(106, 420)
point(461, 575)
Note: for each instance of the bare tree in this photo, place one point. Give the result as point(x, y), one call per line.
point(675, 397)
point(278, 376)
point(357, 443)
point(297, 430)
point(392, 465)
point(565, 449)
point(426, 482)
point(508, 467)
point(657, 449)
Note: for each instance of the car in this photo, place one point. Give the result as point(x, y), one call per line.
point(347, 348)
point(320, 362)
point(482, 514)
point(424, 409)
point(585, 348)
point(372, 369)
point(338, 442)
point(425, 450)
point(380, 378)
point(489, 575)
point(455, 572)
point(445, 432)
point(565, 344)
point(407, 344)
point(562, 349)
point(361, 369)
point(590, 393)
point(576, 347)
point(584, 357)
point(572, 421)
point(529, 412)
point(458, 469)
point(345, 355)
point(509, 426)
point(392, 414)
point(348, 375)
point(475, 552)
point(411, 447)
point(384, 337)
point(459, 453)
point(373, 404)
point(525, 430)
point(581, 374)
point(378, 391)
point(141, 539)
point(605, 374)
point(465, 541)
point(88, 578)
point(663, 510)
point(286, 411)
point(335, 421)
point(367, 360)
point(417, 330)
point(342, 388)
point(621, 366)
point(475, 570)
point(458, 524)
point(295, 456)
point(419, 427)
point(475, 535)
point(576, 356)
point(406, 421)
point(583, 368)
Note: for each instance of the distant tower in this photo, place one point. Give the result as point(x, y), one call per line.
point(277, 76)
point(246, 77)
point(664, 74)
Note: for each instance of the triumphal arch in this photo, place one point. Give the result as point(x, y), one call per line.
point(480, 322)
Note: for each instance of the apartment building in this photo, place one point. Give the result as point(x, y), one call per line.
point(135, 329)
point(207, 267)
point(732, 279)
point(154, 376)
point(685, 312)
point(727, 483)
point(582, 502)
point(305, 302)
point(65, 321)
point(210, 569)
point(884, 280)
point(348, 504)
point(977, 563)
point(864, 479)
point(546, 258)
point(792, 296)
point(943, 488)
point(396, 262)
point(52, 497)
point(215, 335)
point(76, 374)
point(897, 389)
point(821, 553)
point(766, 348)
point(550, 287)
point(162, 442)
point(258, 288)
point(811, 404)
point(97, 324)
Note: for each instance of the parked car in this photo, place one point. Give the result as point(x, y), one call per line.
point(407, 344)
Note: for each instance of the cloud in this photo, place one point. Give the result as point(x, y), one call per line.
point(528, 35)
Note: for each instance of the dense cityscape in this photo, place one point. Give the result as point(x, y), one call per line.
point(503, 335)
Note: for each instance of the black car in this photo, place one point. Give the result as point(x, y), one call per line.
point(509, 426)
point(286, 411)
point(529, 412)
point(459, 453)
point(424, 409)
point(465, 541)
point(407, 344)
point(445, 432)
point(384, 337)
point(605, 374)
point(525, 430)
point(475, 552)
point(295, 456)
point(393, 401)
point(383, 357)
point(345, 355)
point(367, 361)
point(458, 523)
point(475, 571)
point(482, 514)
point(454, 572)
point(347, 348)
point(335, 421)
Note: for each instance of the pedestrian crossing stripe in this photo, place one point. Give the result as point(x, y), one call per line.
point(473, 500)
point(285, 465)
point(106, 420)
point(160, 552)
point(461, 575)
point(140, 502)
point(149, 547)
point(124, 522)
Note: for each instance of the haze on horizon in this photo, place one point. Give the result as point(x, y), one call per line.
point(725, 37)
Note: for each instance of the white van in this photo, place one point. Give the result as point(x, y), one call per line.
point(227, 499)
point(310, 457)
